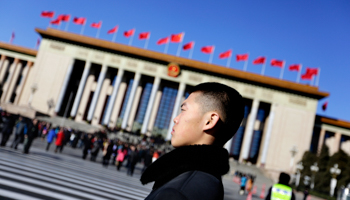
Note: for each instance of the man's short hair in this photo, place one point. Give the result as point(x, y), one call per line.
point(227, 102)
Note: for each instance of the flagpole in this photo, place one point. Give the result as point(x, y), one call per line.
point(146, 43)
point(246, 64)
point(299, 73)
point(180, 44)
point(82, 29)
point(212, 55)
point(130, 41)
point(98, 31)
point(229, 61)
point(282, 70)
point(114, 36)
point(263, 69)
point(318, 76)
point(191, 52)
point(166, 47)
point(66, 29)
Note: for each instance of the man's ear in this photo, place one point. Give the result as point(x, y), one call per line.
point(212, 120)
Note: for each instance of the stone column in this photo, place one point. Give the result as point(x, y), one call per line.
point(80, 89)
point(130, 100)
point(5, 87)
point(2, 61)
point(3, 70)
point(85, 98)
point(25, 73)
point(117, 105)
point(64, 86)
point(321, 140)
point(101, 77)
point(248, 134)
point(100, 102)
point(266, 141)
point(150, 104)
point(336, 144)
point(13, 81)
point(180, 94)
point(113, 96)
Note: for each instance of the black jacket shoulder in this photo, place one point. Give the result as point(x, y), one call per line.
point(190, 185)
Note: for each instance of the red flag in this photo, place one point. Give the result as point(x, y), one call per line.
point(64, 18)
point(129, 33)
point(163, 41)
point(226, 54)
point(259, 60)
point(312, 71)
point(188, 46)
point(55, 22)
point(207, 49)
point(96, 25)
point(144, 35)
point(79, 20)
point(242, 57)
point(113, 30)
point(277, 63)
point(295, 67)
point(306, 76)
point(176, 37)
point(324, 106)
point(48, 14)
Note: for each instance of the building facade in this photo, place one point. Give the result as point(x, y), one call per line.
point(108, 84)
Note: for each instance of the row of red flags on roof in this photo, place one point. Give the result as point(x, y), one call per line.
point(177, 38)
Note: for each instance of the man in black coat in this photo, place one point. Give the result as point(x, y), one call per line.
point(32, 133)
point(209, 117)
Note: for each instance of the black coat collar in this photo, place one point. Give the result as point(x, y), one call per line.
point(207, 158)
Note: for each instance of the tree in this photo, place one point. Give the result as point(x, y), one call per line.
point(343, 161)
point(308, 160)
point(323, 176)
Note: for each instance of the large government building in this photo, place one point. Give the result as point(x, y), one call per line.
point(102, 83)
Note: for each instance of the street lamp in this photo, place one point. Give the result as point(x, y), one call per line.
point(335, 171)
point(51, 104)
point(293, 151)
point(299, 168)
point(306, 180)
point(314, 169)
point(33, 88)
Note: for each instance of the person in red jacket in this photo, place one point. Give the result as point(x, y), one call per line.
point(59, 140)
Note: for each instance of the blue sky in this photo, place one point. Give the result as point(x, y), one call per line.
point(311, 32)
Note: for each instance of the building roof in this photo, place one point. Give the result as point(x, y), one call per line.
point(18, 49)
point(284, 85)
point(333, 121)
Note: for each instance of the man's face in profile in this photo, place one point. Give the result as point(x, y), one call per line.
point(188, 125)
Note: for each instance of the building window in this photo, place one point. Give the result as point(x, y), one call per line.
point(165, 109)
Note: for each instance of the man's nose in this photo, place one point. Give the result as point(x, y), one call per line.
point(176, 119)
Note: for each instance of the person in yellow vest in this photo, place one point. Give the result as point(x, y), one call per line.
point(281, 190)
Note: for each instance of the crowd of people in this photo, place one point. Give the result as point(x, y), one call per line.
point(111, 151)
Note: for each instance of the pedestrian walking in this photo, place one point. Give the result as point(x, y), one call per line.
point(32, 133)
point(59, 140)
point(20, 130)
point(8, 121)
point(132, 160)
point(50, 136)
